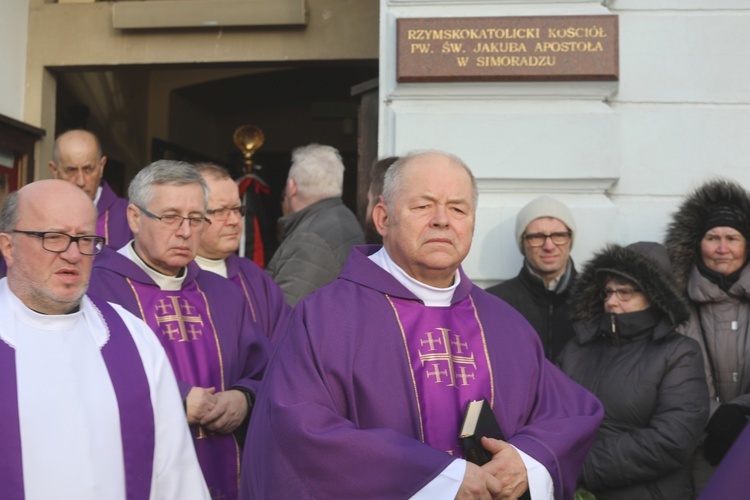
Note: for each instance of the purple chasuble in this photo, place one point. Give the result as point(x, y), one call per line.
point(132, 391)
point(339, 413)
point(186, 331)
point(731, 479)
point(449, 364)
point(263, 295)
point(112, 222)
point(208, 315)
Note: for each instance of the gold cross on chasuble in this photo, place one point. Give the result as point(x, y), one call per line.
point(447, 351)
point(180, 324)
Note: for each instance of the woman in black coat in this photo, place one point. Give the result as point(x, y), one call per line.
point(649, 378)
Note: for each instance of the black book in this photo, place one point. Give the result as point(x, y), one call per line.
point(478, 421)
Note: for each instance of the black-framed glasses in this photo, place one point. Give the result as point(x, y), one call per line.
point(624, 294)
point(53, 241)
point(175, 220)
point(223, 213)
point(538, 239)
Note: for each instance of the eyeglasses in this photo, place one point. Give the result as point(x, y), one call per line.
point(538, 239)
point(174, 220)
point(624, 294)
point(223, 213)
point(55, 242)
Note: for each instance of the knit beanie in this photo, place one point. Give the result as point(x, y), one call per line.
point(544, 206)
point(726, 216)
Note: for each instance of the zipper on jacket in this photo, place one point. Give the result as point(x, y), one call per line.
point(614, 330)
point(550, 324)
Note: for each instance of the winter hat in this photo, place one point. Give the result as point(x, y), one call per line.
point(727, 216)
point(718, 202)
point(644, 263)
point(544, 206)
point(653, 251)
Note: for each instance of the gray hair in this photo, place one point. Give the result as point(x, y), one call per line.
point(393, 181)
point(164, 172)
point(318, 172)
point(10, 214)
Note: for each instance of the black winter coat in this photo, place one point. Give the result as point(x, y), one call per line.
point(649, 379)
point(546, 310)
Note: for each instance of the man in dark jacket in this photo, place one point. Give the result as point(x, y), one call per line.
point(317, 230)
point(545, 229)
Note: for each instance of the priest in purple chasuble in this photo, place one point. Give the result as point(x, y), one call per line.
point(202, 321)
point(77, 158)
point(90, 406)
point(112, 222)
point(366, 390)
point(218, 244)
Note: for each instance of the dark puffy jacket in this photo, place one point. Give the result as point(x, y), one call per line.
point(548, 311)
point(315, 243)
point(649, 379)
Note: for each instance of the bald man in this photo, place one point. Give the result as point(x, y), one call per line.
point(91, 407)
point(77, 158)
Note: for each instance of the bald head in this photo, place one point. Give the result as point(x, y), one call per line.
point(48, 195)
point(77, 158)
point(39, 215)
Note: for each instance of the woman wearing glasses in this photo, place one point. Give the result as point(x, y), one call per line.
point(707, 242)
point(648, 377)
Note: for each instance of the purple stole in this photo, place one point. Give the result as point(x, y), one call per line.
point(133, 394)
point(449, 366)
point(183, 323)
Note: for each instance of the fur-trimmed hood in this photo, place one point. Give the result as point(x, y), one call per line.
point(655, 282)
point(686, 230)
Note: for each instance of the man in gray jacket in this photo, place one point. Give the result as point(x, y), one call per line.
point(317, 230)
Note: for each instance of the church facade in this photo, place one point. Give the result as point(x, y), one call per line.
point(621, 153)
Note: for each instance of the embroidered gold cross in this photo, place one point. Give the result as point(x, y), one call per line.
point(186, 325)
point(447, 356)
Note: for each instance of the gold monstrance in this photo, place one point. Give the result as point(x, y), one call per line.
point(249, 138)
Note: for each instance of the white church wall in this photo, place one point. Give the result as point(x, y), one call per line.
point(620, 154)
point(13, 29)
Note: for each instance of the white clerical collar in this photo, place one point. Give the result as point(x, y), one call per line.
point(98, 195)
point(163, 281)
point(12, 306)
point(430, 295)
point(218, 266)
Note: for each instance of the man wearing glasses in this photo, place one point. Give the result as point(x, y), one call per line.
point(90, 405)
point(219, 242)
point(217, 353)
point(545, 229)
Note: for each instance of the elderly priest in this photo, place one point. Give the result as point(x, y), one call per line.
point(367, 388)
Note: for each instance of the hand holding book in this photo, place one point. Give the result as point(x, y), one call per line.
point(480, 422)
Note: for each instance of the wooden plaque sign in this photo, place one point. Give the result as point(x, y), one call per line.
point(508, 49)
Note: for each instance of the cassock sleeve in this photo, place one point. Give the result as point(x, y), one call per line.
point(252, 352)
point(542, 411)
point(303, 443)
point(561, 422)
